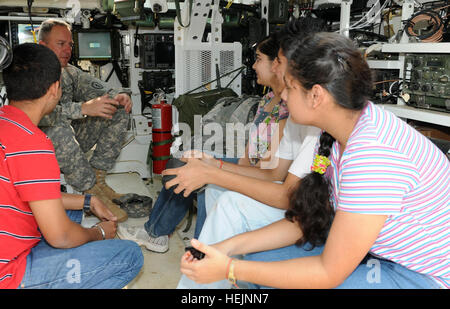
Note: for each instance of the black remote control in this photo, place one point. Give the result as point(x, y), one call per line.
point(195, 253)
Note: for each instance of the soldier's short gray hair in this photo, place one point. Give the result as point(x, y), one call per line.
point(47, 26)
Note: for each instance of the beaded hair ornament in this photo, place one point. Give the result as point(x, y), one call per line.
point(320, 164)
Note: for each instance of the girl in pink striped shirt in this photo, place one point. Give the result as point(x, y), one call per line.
point(375, 210)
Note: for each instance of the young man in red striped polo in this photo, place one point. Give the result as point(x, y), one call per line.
point(36, 219)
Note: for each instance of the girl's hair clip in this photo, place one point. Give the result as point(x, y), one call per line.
point(343, 62)
point(320, 164)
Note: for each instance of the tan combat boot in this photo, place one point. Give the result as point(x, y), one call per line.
point(100, 175)
point(115, 209)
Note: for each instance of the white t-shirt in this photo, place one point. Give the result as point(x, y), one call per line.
point(298, 144)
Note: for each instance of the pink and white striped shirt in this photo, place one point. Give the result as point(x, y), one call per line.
point(388, 168)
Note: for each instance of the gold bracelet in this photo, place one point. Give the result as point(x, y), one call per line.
point(231, 277)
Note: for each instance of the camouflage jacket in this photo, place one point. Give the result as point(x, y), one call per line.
point(77, 88)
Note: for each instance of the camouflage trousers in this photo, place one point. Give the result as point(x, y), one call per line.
point(73, 139)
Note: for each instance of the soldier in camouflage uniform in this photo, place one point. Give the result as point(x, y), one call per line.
point(88, 114)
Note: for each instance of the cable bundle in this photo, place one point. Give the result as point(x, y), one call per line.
point(434, 26)
point(369, 18)
point(5, 54)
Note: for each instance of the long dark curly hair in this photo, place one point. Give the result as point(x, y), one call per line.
point(309, 204)
point(332, 61)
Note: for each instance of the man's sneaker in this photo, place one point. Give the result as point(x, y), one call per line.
point(139, 235)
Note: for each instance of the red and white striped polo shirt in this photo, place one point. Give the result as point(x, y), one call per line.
point(28, 172)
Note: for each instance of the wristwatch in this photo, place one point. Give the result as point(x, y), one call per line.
point(87, 202)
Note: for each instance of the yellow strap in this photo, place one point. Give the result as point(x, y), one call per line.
point(230, 2)
point(34, 36)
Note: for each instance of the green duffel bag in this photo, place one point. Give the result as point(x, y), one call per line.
point(199, 103)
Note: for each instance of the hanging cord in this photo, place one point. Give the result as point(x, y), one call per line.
point(240, 69)
point(367, 20)
point(30, 3)
point(136, 48)
point(178, 10)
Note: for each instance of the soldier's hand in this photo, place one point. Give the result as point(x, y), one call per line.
point(102, 106)
point(124, 100)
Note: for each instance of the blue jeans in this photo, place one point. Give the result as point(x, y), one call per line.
point(106, 264)
point(231, 213)
point(168, 211)
point(170, 208)
point(372, 273)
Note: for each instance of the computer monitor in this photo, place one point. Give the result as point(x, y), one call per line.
point(93, 45)
point(157, 51)
point(165, 55)
point(21, 32)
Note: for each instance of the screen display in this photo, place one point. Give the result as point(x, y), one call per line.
point(24, 33)
point(435, 63)
point(165, 54)
point(94, 45)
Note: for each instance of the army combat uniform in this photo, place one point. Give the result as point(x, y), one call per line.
point(73, 134)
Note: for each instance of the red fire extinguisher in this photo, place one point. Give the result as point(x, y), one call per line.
point(161, 135)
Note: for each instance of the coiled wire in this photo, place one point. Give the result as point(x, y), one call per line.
point(5, 53)
point(433, 22)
